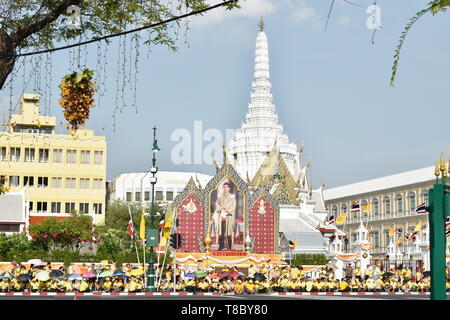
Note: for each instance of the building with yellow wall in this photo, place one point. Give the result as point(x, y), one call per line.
point(60, 172)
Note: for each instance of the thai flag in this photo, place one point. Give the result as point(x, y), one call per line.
point(330, 219)
point(131, 230)
point(291, 245)
point(447, 226)
point(422, 208)
point(356, 207)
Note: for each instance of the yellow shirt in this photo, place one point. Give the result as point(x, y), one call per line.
point(34, 285)
point(343, 285)
point(83, 286)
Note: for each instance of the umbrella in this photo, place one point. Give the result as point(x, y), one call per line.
point(97, 271)
point(39, 265)
point(6, 274)
point(234, 274)
point(200, 273)
point(426, 273)
point(35, 261)
point(101, 280)
point(56, 274)
point(74, 276)
point(387, 274)
point(118, 273)
point(42, 276)
point(190, 275)
point(224, 274)
point(105, 274)
point(89, 275)
point(241, 274)
point(214, 275)
point(259, 277)
point(126, 277)
point(24, 277)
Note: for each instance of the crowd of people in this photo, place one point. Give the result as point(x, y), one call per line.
point(257, 279)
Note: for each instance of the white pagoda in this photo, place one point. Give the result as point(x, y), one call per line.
point(263, 156)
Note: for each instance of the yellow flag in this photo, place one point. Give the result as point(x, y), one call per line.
point(366, 207)
point(418, 227)
point(142, 228)
point(391, 232)
point(341, 218)
point(400, 239)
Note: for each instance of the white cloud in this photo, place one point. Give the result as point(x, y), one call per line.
point(249, 8)
point(343, 21)
point(303, 13)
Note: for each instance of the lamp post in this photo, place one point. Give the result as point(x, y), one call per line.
point(153, 179)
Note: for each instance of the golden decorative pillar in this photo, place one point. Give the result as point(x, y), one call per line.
point(208, 239)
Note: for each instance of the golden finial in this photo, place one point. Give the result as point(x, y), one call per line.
point(442, 168)
point(261, 24)
point(436, 169)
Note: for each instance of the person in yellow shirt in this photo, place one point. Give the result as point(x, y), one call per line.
point(106, 286)
point(76, 286)
point(309, 285)
point(34, 285)
point(132, 286)
point(249, 287)
point(239, 288)
point(84, 286)
point(295, 273)
point(5, 285)
point(344, 286)
point(68, 286)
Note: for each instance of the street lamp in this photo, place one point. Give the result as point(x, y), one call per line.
point(153, 180)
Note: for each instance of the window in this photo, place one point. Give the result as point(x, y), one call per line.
point(71, 183)
point(412, 201)
point(98, 157)
point(28, 180)
point(29, 154)
point(43, 155)
point(129, 196)
point(387, 206)
point(169, 195)
point(3, 154)
point(147, 196)
point(85, 157)
point(98, 208)
point(376, 209)
point(365, 209)
point(137, 196)
point(84, 183)
point(334, 210)
point(57, 155)
point(57, 182)
point(30, 206)
point(376, 239)
point(70, 206)
point(425, 198)
point(14, 181)
point(71, 156)
point(387, 239)
point(9, 227)
point(14, 154)
point(98, 184)
point(159, 195)
point(84, 207)
point(399, 199)
point(42, 182)
point(41, 206)
point(354, 237)
point(56, 207)
point(344, 208)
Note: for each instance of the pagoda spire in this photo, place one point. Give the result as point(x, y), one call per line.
point(261, 24)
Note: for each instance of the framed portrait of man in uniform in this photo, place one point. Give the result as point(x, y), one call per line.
point(227, 216)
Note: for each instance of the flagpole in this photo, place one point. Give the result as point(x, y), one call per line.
point(134, 237)
point(167, 245)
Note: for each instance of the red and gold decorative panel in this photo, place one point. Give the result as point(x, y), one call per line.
point(262, 224)
point(190, 214)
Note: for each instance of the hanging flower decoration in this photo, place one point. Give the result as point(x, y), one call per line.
point(77, 91)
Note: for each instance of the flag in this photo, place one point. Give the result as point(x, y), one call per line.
point(131, 226)
point(341, 218)
point(142, 228)
point(399, 240)
point(418, 227)
point(414, 236)
point(422, 208)
point(391, 232)
point(356, 207)
point(407, 236)
point(330, 219)
point(161, 223)
point(369, 233)
point(291, 245)
point(366, 207)
point(399, 231)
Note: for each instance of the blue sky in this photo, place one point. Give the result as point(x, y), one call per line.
point(331, 89)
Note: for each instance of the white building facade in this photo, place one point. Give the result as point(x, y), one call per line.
point(392, 202)
point(136, 187)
